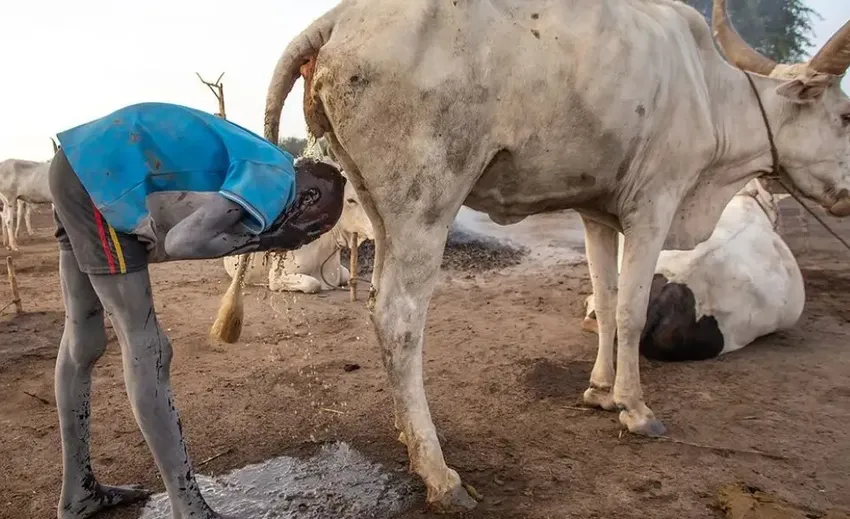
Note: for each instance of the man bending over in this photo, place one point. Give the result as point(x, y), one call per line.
point(149, 183)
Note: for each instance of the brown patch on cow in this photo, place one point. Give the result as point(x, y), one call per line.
point(535, 16)
point(640, 110)
point(314, 111)
point(536, 33)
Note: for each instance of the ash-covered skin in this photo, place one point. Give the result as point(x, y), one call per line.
point(146, 353)
point(213, 230)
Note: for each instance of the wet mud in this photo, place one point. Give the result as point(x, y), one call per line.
point(337, 482)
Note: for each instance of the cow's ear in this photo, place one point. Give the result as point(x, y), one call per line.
point(805, 89)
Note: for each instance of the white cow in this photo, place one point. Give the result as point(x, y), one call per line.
point(22, 183)
point(22, 180)
point(315, 266)
point(621, 109)
point(740, 284)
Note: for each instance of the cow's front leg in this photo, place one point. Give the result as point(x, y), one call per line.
point(409, 272)
point(601, 245)
point(3, 225)
point(642, 246)
point(9, 222)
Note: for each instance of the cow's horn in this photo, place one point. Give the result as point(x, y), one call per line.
point(834, 56)
point(733, 45)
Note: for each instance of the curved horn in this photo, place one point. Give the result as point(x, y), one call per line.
point(733, 45)
point(55, 147)
point(834, 56)
point(287, 70)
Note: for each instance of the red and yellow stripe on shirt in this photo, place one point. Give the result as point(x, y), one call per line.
point(111, 245)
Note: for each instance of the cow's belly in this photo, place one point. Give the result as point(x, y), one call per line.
point(522, 182)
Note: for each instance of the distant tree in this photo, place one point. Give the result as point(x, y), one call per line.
point(294, 145)
point(779, 29)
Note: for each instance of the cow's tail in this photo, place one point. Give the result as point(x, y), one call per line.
point(288, 68)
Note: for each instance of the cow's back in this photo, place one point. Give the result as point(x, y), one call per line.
point(16, 172)
point(482, 72)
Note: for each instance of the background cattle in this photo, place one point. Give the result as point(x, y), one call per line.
point(22, 183)
point(740, 284)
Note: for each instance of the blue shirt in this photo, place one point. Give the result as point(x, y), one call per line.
point(128, 157)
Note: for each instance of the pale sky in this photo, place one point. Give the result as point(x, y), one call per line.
point(65, 63)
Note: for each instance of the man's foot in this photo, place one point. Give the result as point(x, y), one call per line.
point(102, 498)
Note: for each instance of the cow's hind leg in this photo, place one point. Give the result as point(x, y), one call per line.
point(410, 267)
point(28, 219)
point(411, 224)
point(23, 214)
point(83, 343)
point(601, 244)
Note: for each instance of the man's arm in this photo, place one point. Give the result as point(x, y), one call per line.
point(211, 232)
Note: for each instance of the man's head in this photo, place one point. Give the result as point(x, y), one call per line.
point(320, 189)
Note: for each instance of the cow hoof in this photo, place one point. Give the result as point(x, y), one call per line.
point(642, 422)
point(459, 498)
point(102, 498)
point(602, 398)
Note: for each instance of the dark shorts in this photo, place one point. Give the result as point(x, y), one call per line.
point(81, 229)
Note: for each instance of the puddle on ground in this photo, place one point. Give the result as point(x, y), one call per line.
point(337, 482)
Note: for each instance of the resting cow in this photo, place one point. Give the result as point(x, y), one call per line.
point(315, 266)
point(740, 284)
point(621, 109)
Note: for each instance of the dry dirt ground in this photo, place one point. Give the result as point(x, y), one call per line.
point(505, 364)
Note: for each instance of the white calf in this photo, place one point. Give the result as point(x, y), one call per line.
point(315, 266)
point(740, 284)
point(21, 180)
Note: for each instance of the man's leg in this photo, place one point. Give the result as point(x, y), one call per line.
point(83, 343)
point(147, 353)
